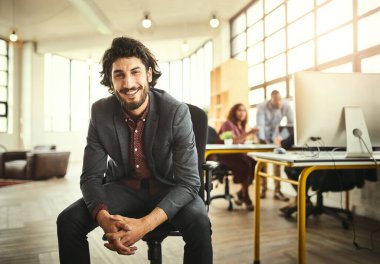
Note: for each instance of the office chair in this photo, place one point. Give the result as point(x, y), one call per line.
point(155, 237)
point(332, 181)
point(220, 173)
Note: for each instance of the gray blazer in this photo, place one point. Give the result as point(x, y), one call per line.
point(169, 147)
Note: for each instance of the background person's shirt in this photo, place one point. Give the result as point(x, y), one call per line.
point(269, 118)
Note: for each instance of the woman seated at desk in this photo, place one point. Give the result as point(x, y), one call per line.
point(241, 165)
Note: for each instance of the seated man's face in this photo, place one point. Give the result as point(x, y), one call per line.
point(130, 79)
point(276, 101)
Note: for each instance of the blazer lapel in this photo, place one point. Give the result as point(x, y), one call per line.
point(150, 130)
point(122, 132)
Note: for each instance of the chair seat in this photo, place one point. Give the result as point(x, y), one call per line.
point(162, 231)
point(15, 169)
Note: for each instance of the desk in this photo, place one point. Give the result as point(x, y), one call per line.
point(324, 161)
point(237, 148)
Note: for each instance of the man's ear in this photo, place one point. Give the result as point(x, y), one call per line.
point(149, 74)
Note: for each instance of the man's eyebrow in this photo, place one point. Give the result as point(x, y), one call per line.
point(117, 71)
point(136, 68)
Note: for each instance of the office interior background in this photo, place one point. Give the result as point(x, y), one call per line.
point(49, 77)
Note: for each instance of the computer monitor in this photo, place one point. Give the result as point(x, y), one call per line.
point(320, 101)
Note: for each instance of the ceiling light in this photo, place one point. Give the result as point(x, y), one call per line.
point(13, 36)
point(185, 46)
point(214, 22)
point(146, 22)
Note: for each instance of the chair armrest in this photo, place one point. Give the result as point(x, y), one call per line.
point(208, 167)
point(44, 165)
point(1, 164)
point(10, 156)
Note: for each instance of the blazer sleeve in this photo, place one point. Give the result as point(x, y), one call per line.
point(94, 168)
point(185, 164)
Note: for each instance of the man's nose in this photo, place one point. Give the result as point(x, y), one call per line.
point(129, 82)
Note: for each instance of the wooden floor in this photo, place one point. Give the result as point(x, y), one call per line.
point(28, 231)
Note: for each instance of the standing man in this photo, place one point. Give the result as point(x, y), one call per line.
point(140, 164)
point(269, 116)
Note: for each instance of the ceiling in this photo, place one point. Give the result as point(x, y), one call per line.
point(63, 27)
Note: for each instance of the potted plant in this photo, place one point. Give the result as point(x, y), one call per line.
point(227, 136)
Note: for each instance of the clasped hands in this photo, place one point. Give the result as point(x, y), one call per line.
point(121, 232)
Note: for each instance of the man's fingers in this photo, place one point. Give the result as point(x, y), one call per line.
point(121, 249)
point(116, 217)
point(115, 236)
point(123, 226)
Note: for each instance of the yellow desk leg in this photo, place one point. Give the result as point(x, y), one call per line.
point(256, 249)
point(301, 215)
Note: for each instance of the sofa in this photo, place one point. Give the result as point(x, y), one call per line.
point(39, 164)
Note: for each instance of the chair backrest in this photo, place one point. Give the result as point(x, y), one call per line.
point(200, 124)
point(212, 136)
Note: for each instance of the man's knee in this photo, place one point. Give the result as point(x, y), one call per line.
point(74, 217)
point(195, 221)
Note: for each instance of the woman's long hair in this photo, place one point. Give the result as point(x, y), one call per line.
point(232, 115)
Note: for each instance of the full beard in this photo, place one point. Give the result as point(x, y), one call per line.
point(130, 106)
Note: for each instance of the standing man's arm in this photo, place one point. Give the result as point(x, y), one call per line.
point(260, 122)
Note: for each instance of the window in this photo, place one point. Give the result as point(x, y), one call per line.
point(333, 14)
point(275, 20)
point(4, 73)
point(188, 80)
point(304, 25)
point(368, 28)
point(79, 95)
point(271, 4)
point(176, 79)
point(301, 57)
point(283, 37)
point(255, 33)
point(275, 44)
point(71, 87)
point(298, 8)
point(239, 43)
point(57, 93)
point(239, 25)
point(255, 13)
point(367, 5)
point(277, 66)
point(255, 54)
point(336, 44)
point(371, 64)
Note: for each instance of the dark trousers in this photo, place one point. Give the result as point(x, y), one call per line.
point(75, 222)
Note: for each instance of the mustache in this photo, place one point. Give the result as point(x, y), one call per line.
point(125, 90)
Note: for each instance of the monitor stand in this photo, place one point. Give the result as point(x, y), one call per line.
point(357, 138)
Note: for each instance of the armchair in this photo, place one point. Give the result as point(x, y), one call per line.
point(37, 165)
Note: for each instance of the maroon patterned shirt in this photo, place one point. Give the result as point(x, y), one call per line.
point(140, 169)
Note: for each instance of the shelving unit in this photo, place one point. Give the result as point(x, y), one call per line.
point(229, 86)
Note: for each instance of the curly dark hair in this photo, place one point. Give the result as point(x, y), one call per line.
point(124, 47)
point(232, 115)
